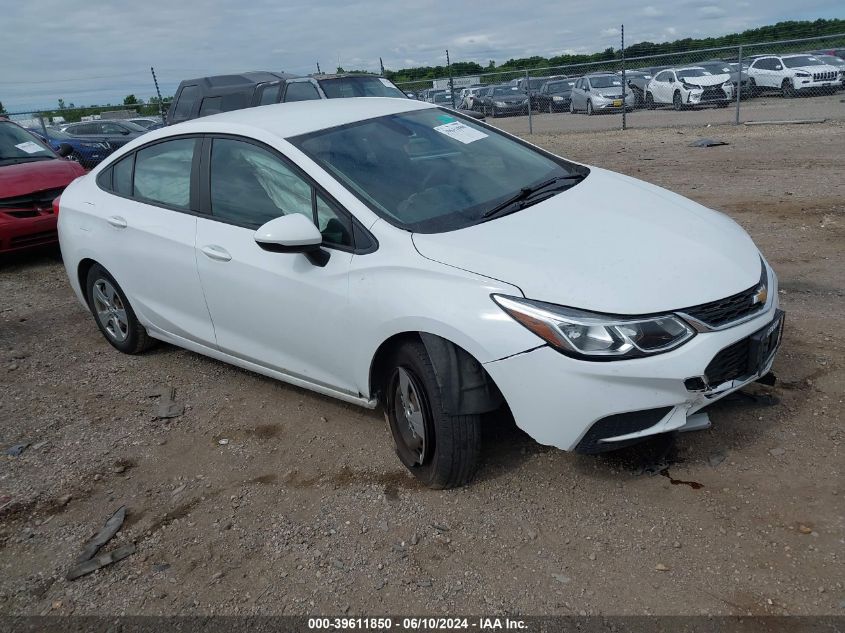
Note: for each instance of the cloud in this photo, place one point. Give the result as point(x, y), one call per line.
point(102, 51)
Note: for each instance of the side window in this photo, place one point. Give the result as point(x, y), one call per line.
point(211, 105)
point(301, 91)
point(334, 226)
point(270, 94)
point(111, 128)
point(122, 176)
point(185, 102)
point(163, 173)
point(251, 186)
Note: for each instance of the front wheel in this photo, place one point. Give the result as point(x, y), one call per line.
point(649, 101)
point(787, 89)
point(677, 101)
point(440, 449)
point(571, 107)
point(589, 108)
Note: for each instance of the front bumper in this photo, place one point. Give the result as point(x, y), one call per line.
point(20, 233)
point(557, 399)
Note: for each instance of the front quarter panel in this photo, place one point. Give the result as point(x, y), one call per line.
point(396, 290)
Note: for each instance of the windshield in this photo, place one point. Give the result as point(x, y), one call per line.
point(442, 97)
point(692, 72)
point(802, 60)
point(364, 86)
point(503, 91)
point(429, 171)
point(605, 82)
point(536, 84)
point(718, 68)
point(832, 60)
point(560, 86)
point(18, 145)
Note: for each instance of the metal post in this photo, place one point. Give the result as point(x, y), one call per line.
point(624, 85)
point(528, 94)
point(451, 81)
point(738, 82)
point(381, 65)
point(43, 125)
point(319, 72)
point(158, 92)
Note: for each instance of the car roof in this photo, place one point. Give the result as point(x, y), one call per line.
point(299, 117)
point(239, 79)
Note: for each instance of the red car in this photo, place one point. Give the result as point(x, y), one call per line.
point(32, 175)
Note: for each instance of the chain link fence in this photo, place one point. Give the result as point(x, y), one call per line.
point(800, 79)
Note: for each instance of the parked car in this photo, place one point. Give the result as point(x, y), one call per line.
point(792, 75)
point(504, 99)
point(469, 95)
point(445, 100)
point(689, 87)
point(531, 86)
point(86, 153)
point(476, 98)
point(114, 133)
point(739, 78)
point(555, 96)
point(836, 52)
point(837, 62)
point(147, 123)
point(32, 175)
point(637, 81)
point(421, 279)
point(599, 93)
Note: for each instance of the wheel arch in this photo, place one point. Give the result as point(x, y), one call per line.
point(82, 269)
point(466, 387)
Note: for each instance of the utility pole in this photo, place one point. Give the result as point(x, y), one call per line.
point(318, 69)
point(624, 84)
point(158, 92)
point(738, 82)
point(451, 81)
point(381, 65)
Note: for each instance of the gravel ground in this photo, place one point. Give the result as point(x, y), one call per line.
point(305, 509)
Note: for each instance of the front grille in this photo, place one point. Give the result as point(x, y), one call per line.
point(729, 364)
point(36, 200)
point(713, 94)
point(825, 76)
point(722, 311)
point(616, 425)
point(34, 239)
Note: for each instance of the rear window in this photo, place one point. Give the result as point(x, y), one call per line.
point(185, 103)
point(364, 86)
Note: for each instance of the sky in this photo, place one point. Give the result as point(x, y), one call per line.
point(97, 52)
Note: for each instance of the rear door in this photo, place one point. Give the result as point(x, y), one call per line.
point(277, 310)
point(149, 229)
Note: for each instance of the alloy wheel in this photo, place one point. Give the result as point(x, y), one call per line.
point(110, 310)
point(409, 410)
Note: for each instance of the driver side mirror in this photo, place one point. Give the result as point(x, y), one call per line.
point(293, 233)
point(586, 89)
point(65, 150)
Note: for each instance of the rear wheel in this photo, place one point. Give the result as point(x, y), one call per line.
point(440, 449)
point(113, 313)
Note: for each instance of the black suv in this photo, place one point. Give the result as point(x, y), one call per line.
point(222, 93)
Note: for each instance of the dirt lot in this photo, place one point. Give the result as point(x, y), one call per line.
point(307, 510)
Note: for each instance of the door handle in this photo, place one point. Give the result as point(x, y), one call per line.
point(216, 252)
point(117, 222)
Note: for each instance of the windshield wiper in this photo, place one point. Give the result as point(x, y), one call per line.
point(519, 200)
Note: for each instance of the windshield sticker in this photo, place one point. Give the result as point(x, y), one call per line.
point(446, 118)
point(29, 147)
point(386, 82)
point(460, 132)
point(617, 83)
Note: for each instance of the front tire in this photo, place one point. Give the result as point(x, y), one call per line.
point(440, 449)
point(677, 101)
point(113, 313)
point(649, 101)
point(590, 108)
point(787, 89)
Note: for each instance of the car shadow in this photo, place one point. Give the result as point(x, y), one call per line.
point(30, 258)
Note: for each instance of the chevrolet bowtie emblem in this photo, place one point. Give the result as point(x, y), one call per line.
point(760, 296)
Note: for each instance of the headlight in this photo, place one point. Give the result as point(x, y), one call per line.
point(802, 74)
point(690, 86)
point(593, 336)
point(501, 104)
point(557, 98)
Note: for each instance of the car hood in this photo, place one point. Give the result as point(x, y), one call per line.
point(510, 98)
point(824, 68)
point(708, 80)
point(26, 178)
point(610, 244)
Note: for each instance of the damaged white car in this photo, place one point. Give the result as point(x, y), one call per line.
point(390, 251)
point(689, 87)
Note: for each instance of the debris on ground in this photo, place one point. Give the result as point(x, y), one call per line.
point(167, 405)
point(716, 458)
point(777, 451)
point(660, 567)
point(17, 450)
point(88, 561)
point(708, 142)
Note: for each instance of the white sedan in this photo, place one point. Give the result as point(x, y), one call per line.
point(688, 87)
point(390, 251)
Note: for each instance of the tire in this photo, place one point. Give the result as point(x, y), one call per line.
point(590, 108)
point(108, 302)
point(677, 101)
point(493, 112)
point(753, 90)
point(649, 101)
point(787, 89)
point(571, 107)
point(440, 449)
point(551, 108)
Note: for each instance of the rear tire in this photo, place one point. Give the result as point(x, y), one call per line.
point(440, 449)
point(113, 313)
